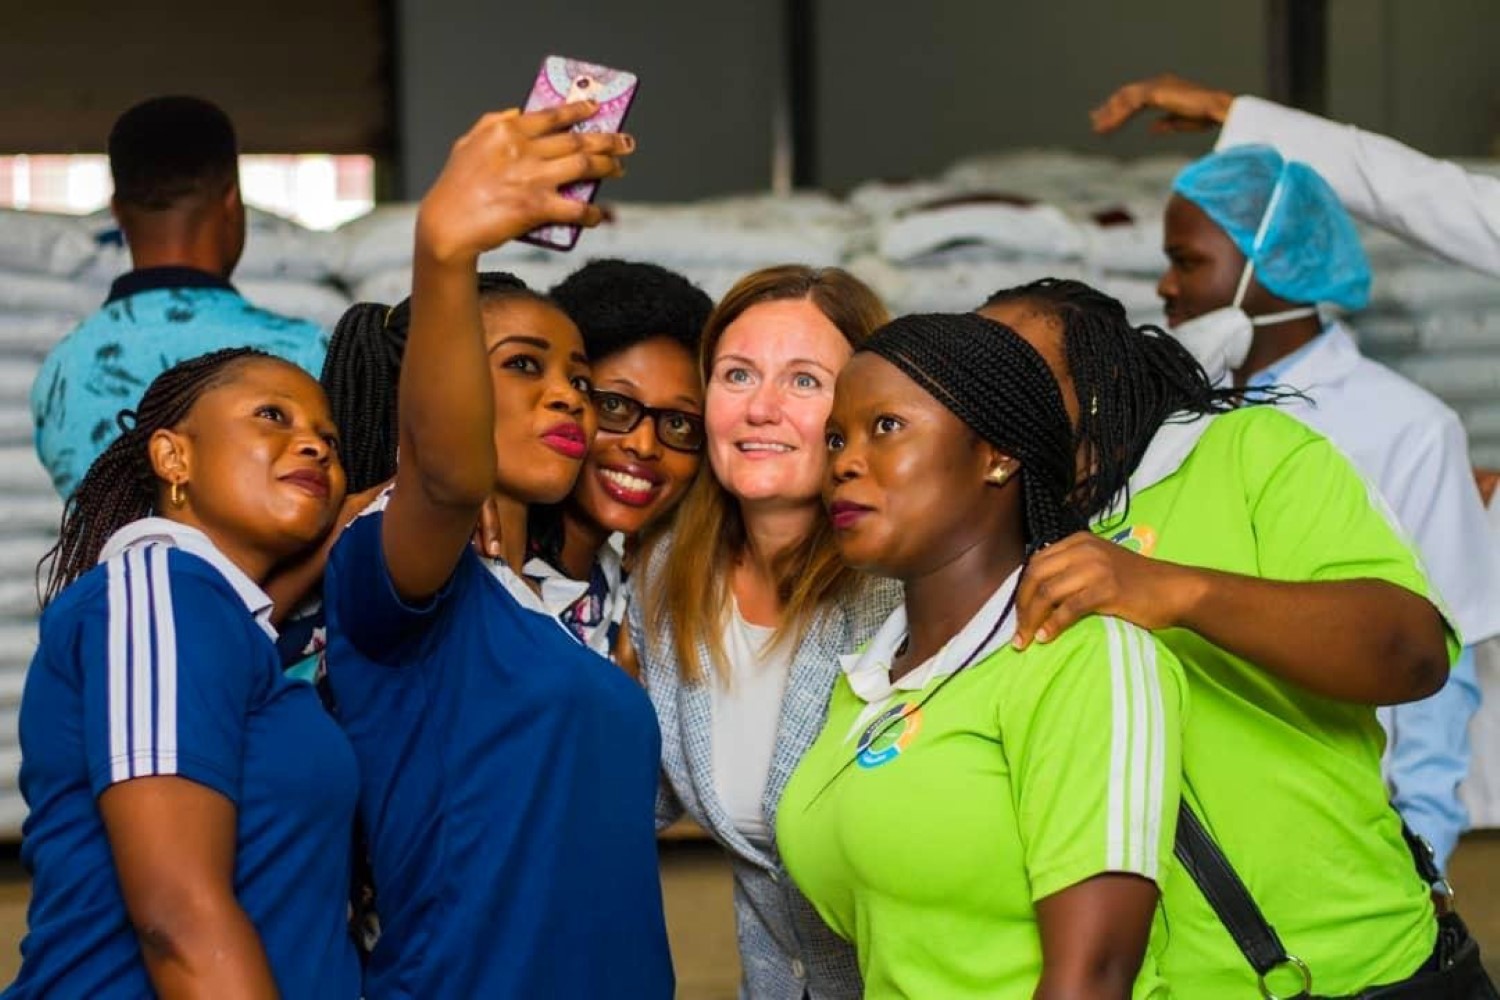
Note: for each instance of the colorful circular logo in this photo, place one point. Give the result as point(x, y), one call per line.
point(889, 735)
point(1140, 539)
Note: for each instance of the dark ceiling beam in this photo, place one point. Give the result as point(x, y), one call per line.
point(1297, 53)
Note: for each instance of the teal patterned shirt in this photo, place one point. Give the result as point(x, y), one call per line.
point(153, 319)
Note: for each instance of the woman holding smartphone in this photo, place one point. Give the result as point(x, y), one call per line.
point(507, 771)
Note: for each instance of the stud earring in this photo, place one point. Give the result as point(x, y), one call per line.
point(997, 477)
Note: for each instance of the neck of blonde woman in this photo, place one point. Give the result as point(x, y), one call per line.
point(773, 527)
point(770, 531)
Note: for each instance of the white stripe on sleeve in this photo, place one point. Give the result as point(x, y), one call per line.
point(119, 673)
point(166, 662)
point(1158, 758)
point(1115, 852)
point(142, 666)
point(142, 663)
point(1140, 743)
point(1137, 757)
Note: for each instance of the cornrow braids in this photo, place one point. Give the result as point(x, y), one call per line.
point(359, 377)
point(998, 385)
point(122, 486)
point(1130, 380)
point(362, 373)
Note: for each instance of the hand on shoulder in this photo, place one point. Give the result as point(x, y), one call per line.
point(1085, 575)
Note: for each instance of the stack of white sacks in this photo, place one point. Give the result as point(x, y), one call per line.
point(942, 243)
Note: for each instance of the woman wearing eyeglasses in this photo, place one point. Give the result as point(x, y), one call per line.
point(641, 324)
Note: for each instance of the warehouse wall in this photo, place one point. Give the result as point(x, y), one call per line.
point(1421, 70)
point(901, 95)
point(903, 89)
point(708, 77)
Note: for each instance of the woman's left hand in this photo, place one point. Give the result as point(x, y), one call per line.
point(1083, 575)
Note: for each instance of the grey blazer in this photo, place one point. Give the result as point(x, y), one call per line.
point(786, 951)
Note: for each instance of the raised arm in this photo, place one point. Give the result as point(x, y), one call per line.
point(1365, 641)
point(501, 181)
point(173, 842)
point(1434, 203)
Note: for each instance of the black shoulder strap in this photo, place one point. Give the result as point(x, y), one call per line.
point(1232, 902)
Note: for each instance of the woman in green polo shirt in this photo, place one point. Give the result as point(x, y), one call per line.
point(1268, 565)
point(980, 822)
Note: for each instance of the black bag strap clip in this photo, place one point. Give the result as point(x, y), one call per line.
point(1233, 904)
point(1236, 909)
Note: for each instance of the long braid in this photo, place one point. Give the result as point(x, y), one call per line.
point(122, 486)
point(999, 386)
point(1130, 380)
point(362, 375)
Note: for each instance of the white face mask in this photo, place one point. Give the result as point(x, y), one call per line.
point(1221, 339)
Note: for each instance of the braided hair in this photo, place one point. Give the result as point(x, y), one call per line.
point(122, 486)
point(363, 370)
point(997, 384)
point(1130, 380)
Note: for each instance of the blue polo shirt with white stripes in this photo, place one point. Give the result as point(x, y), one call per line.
point(160, 662)
point(508, 789)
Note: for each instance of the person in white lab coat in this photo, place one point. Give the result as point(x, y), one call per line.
point(1433, 203)
point(1254, 243)
point(1481, 790)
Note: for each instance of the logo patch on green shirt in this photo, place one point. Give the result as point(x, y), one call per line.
point(1140, 539)
point(890, 734)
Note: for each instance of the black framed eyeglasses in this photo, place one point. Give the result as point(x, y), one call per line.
point(675, 429)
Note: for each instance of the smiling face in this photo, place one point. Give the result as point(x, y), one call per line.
point(632, 478)
point(768, 397)
point(543, 420)
point(257, 460)
point(906, 489)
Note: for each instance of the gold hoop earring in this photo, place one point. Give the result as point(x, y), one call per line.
point(997, 477)
point(176, 496)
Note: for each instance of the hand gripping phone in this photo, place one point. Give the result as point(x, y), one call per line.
point(562, 81)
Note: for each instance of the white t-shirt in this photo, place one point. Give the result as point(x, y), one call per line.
point(746, 710)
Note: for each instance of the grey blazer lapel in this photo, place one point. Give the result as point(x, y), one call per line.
point(696, 706)
point(804, 708)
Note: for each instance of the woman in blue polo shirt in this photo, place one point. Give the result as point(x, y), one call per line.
point(190, 805)
point(508, 772)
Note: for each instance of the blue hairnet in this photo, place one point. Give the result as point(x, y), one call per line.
point(1309, 251)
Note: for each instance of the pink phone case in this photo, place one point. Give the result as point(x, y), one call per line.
point(561, 81)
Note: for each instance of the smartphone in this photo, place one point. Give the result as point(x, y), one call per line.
point(562, 81)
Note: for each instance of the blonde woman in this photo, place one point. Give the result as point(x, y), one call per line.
point(743, 610)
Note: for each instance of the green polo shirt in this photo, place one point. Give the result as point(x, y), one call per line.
point(1287, 782)
point(925, 824)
